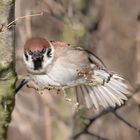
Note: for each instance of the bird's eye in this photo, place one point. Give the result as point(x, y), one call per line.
point(43, 50)
point(30, 52)
point(26, 56)
point(49, 52)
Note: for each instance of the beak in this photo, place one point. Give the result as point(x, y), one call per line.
point(37, 56)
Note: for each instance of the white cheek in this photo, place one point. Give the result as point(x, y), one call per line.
point(28, 63)
point(48, 60)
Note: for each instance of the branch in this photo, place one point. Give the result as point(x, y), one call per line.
point(21, 84)
point(4, 28)
point(89, 133)
point(96, 136)
point(124, 121)
point(104, 112)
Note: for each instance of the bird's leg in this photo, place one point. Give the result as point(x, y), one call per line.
point(65, 95)
point(33, 85)
point(48, 87)
point(66, 98)
point(41, 89)
point(76, 106)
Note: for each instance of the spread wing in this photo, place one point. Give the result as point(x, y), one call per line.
point(111, 91)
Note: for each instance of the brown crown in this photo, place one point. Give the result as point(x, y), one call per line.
point(36, 44)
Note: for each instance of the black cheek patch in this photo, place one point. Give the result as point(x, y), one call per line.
point(49, 52)
point(26, 56)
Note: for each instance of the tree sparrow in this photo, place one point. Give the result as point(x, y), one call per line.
point(60, 65)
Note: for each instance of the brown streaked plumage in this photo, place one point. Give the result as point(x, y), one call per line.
point(37, 44)
point(60, 44)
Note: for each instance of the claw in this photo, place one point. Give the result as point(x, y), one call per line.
point(66, 98)
point(40, 92)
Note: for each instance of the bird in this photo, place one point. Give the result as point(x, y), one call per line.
point(56, 64)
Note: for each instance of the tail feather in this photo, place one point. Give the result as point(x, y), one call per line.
point(113, 91)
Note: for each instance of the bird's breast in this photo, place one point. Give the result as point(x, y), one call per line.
point(44, 80)
point(59, 75)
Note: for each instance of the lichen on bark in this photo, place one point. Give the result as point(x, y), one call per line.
point(7, 67)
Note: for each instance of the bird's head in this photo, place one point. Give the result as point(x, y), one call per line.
point(38, 54)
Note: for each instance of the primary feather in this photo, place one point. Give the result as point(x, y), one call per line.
point(111, 92)
point(111, 89)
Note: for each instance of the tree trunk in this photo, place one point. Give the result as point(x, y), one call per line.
point(7, 67)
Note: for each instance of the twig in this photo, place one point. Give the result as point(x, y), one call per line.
point(93, 119)
point(22, 83)
point(4, 28)
point(28, 25)
point(124, 121)
point(95, 135)
point(23, 17)
point(89, 133)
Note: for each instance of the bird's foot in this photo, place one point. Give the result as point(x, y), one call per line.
point(33, 85)
point(66, 98)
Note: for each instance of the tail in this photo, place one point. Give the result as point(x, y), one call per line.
point(113, 91)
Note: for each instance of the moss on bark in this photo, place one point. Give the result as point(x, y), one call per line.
point(7, 67)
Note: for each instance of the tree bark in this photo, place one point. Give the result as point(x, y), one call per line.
point(7, 67)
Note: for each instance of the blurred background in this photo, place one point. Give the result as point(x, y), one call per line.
point(109, 28)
